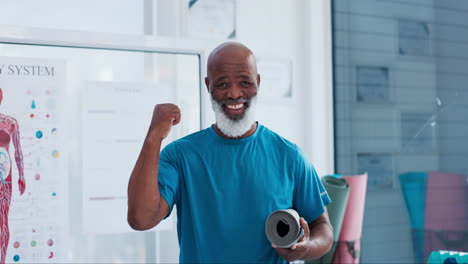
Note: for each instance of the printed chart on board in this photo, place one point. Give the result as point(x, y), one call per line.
point(33, 208)
point(116, 117)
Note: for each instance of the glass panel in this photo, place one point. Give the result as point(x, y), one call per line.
point(108, 99)
point(401, 113)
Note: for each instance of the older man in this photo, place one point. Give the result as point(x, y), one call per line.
point(227, 179)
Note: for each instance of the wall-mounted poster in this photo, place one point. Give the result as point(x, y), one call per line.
point(33, 169)
point(211, 19)
point(417, 131)
point(112, 136)
point(414, 38)
point(380, 168)
point(373, 84)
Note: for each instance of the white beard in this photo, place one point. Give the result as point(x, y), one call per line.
point(234, 128)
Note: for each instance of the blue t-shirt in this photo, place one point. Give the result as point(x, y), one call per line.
point(225, 189)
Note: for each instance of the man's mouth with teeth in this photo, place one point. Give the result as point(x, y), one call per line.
point(237, 106)
point(235, 109)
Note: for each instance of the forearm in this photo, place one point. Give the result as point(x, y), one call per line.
point(19, 163)
point(144, 199)
point(18, 153)
point(321, 240)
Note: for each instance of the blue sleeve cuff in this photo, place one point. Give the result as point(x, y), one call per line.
point(169, 199)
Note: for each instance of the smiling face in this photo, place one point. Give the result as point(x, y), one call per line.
point(232, 78)
point(233, 83)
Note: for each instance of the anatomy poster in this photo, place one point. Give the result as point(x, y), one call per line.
point(33, 175)
point(116, 117)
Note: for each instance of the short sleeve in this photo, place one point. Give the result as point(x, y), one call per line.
point(310, 197)
point(168, 176)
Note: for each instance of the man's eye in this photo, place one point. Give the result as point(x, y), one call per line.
point(221, 85)
point(245, 84)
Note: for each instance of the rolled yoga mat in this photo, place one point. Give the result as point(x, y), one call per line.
point(446, 218)
point(349, 244)
point(413, 188)
point(338, 190)
point(283, 228)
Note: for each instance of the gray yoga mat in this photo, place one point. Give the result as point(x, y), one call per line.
point(283, 228)
point(338, 190)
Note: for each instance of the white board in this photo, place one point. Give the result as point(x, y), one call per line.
point(116, 117)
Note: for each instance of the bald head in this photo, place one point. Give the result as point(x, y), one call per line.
point(232, 53)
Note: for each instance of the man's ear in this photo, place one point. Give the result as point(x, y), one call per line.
point(258, 81)
point(207, 83)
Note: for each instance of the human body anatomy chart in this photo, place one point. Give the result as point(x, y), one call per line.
point(33, 175)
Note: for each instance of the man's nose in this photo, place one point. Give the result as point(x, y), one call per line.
point(234, 92)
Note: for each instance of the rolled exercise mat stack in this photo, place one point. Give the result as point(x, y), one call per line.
point(283, 228)
point(446, 218)
point(338, 190)
point(413, 188)
point(349, 243)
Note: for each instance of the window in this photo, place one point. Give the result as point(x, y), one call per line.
point(401, 115)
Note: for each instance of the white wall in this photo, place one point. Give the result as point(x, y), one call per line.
point(86, 15)
point(270, 29)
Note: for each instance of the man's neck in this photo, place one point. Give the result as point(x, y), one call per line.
point(246, 134)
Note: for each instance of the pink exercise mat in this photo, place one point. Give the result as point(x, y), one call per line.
point(446, 202)
point(348, 248)
point(446, 217)
point(347, 252)
point(354, 215)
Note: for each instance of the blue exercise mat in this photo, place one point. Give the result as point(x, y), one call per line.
point(413, 187)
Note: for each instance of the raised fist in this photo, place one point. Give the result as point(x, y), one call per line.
point(164, 117)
